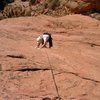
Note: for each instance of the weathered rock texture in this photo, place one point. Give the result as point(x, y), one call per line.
point(70, 70)
point(17, 9)
point(51, 7)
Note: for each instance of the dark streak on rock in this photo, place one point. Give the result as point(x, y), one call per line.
point(92, 45)
point(31, 69)
point(16, 56)
point(0, 67)
point(30, 96)
point(76, 74)
point(46, 98)
point(89, 43)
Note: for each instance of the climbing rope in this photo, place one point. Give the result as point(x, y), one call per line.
point(59, 98)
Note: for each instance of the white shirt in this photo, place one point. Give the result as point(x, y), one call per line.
point(45, 37)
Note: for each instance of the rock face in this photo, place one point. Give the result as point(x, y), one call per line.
point(69, 70)
point(17, 9)
point(54, 7)
point(82, 6)
point(1, 16)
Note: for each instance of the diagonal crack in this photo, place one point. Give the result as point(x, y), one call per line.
point(76, 74)
point(86, 78)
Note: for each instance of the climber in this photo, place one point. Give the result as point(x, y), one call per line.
point(44, 39)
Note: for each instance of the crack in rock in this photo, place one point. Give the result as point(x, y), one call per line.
point(92, 44)
point(27, 69)
point(32, 69)
point(76, 74)
point(16, 56)
point(0, 67)
point(30, 96)
point(43, 98)
point(55, 98)
point(46, 98)
point(89, 43)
